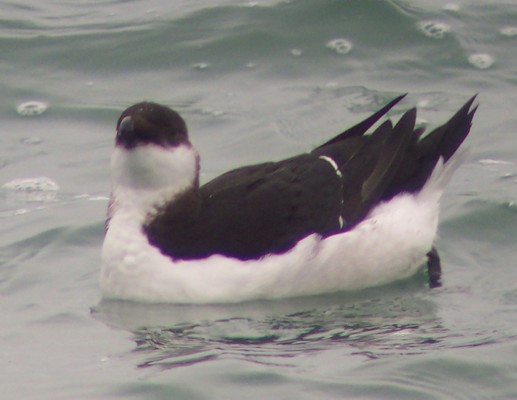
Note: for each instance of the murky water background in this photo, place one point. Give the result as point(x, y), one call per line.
point(255, 81)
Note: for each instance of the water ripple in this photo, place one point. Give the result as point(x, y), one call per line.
point(399, 324)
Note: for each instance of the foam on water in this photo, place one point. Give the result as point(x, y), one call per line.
point(39, 184)
point(489, 161)
point(31, 140)
point(31, 108)
point(434, 29)
point(200, 65)
point(508, 31)
point(40, 189)
point(481, 60)
point(451, 7)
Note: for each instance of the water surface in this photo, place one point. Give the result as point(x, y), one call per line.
point(255, 81)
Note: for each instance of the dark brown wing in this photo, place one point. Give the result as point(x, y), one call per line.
point(267, 208)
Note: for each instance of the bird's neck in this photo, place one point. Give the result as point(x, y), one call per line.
point(149, 176)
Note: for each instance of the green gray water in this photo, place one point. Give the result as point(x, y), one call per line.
point(255, 81)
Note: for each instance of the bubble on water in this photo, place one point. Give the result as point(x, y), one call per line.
point(434, 29)
point(508, 31)
point(296, 52)
point(251, 65)
point(481, 60)
point(31, 108)
point(200, 65)
point(340, 46)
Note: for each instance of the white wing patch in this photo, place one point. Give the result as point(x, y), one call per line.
point(333, 164)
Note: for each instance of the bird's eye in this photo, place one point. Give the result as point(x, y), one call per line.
point(126, 125)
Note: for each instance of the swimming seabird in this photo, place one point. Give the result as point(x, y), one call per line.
point(359, 210)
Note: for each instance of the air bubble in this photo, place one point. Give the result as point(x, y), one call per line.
point(508, 31)
point(434, 29)
point(481, 60)
point(31, 108)
point(340, 46)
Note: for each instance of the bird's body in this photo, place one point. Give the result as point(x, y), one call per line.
point(358, 211)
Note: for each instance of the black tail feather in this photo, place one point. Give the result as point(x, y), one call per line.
point(445, 140)
point(363, 126)
point(395, 146)
point(425, 151)
point(392, 159)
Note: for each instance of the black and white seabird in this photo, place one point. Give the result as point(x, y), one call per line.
point(360, 210)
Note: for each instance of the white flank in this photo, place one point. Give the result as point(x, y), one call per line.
point(390, 244)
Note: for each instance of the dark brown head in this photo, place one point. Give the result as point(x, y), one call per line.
point(150, 123)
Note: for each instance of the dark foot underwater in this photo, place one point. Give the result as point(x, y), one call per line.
point(434, 268)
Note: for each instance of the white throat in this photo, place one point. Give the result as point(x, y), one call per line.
point(147, 176)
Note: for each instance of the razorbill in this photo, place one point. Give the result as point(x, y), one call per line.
point(360, 210)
